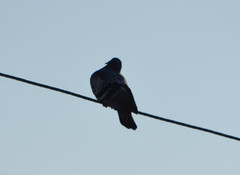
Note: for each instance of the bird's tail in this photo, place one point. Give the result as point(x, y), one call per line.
point(126, 120)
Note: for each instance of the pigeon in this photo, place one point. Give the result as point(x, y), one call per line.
point(111, 90)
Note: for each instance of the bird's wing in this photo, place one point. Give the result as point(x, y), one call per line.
point(98, 82)
point(102, 79)
point(131, 99)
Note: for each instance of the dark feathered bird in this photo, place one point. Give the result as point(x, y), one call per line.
point(111, 89)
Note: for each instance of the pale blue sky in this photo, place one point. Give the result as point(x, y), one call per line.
point(180, 58)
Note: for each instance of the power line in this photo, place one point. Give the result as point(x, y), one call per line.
point(139, 112)
point(48, 87)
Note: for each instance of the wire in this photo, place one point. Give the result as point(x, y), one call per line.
point(49, 87)
point(190, 126)
point(139, 112)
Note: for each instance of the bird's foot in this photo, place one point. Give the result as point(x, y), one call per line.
point(104, 105)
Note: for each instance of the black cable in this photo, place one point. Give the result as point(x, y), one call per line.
point(139, 112)
point(190, 126)
point(48, 87)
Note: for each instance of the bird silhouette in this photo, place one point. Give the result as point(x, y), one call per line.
point(111, 89)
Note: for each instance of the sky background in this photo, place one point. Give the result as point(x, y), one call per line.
point(181, 59)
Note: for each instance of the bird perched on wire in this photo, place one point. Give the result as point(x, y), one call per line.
point(111, 89)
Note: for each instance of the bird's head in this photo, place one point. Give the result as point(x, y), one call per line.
point(115, 64)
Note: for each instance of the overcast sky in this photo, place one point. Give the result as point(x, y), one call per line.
point(181, 59)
